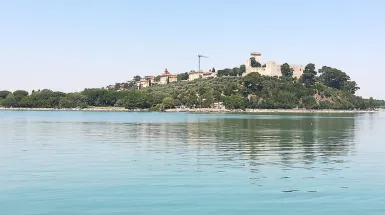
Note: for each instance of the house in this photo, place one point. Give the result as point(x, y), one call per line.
point(146, 81)
point(209, 74)
point(167, 77)
point(196, 75)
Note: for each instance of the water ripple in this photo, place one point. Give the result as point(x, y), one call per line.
point(122, 163)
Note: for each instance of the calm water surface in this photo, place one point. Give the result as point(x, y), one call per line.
point(69, 163)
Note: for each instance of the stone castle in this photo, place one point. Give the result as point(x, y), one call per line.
point(269, 68)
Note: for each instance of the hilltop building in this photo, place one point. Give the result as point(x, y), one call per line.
point(167, 77)
point(196, 75)
point(269, 68)
point(145, 82)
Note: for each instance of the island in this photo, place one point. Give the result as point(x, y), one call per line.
point(252, 86)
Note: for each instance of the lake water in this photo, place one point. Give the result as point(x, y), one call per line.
point(69, 163)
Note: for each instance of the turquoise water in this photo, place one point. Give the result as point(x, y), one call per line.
point(68, 163)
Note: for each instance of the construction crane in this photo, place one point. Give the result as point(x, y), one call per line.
point(199, 61)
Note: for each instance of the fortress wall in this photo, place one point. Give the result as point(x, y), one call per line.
point(271, 69)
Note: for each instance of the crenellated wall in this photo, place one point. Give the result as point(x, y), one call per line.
point(270, 68)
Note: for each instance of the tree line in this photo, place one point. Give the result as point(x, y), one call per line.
point(327, 88)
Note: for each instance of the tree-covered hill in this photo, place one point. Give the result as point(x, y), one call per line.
point(329, 88)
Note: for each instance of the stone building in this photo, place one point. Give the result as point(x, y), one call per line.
point(146, 82)
point(269, 68)
point(196, 75)
point(167, 77)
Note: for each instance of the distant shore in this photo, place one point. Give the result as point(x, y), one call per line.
point(212, 110)
point(107, 109)
point(195, 110)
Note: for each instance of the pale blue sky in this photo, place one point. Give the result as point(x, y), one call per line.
point(68, 45)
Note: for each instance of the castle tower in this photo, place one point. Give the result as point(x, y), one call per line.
point(256, 55)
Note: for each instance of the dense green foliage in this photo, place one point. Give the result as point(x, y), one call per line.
point(337, 79)
point(286, 70)
point(309, 75)
point(254, 63)
point(232, 72)
point(3, 94)
point(332, 89)
point(182, 76)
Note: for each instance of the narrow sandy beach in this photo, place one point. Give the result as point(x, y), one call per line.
point(196, 110)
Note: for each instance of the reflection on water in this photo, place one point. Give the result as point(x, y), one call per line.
point(178, 158)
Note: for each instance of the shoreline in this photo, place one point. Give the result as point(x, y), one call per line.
point(211, 110)
point(195, 110)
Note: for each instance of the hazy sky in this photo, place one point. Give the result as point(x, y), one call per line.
point(69, 45)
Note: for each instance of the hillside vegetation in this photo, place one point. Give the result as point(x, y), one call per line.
point(329, 88)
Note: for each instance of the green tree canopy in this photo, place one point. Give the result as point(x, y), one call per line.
point(236, 71)
point(242, 69)
point(234, 102)
point(350, 87)
point(254, 63)
point(20, 93)
point(168, 103)
point(286, 70)
point(117, 86)
point(136, 99)
point(333, 77)
point(3, 94)
point(309, 74)
point(73, 100)
point(182, 76)
point(337, 79)
point(9, 101)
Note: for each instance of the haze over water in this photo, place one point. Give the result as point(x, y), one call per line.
point(68, 163)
